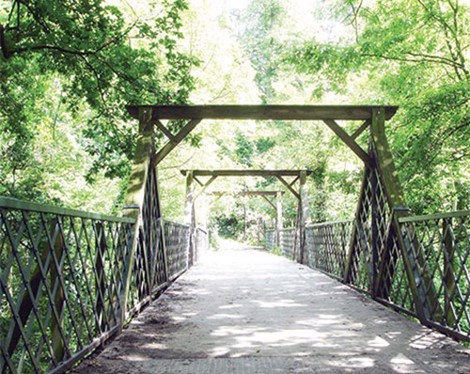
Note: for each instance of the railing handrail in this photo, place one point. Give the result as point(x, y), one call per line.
point(318, 224)
point(454, 214)
point(175, 223)
point(12, 203)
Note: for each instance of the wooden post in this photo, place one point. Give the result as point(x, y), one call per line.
point(244, 220)
point(279, 223)
point(304, 216)
point(420, 281)
point(135, 196)
point(189, 215)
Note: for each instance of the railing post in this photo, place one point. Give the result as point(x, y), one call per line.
point(136, 194)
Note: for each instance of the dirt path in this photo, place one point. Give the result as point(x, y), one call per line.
point(246, 311)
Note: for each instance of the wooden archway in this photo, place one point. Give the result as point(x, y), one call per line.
point(376, 239)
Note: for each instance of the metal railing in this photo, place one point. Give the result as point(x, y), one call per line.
point(270, 239)
point(67, 282)
point(441, 243)
point(327, 246)
point(440, 247)
point(288, 242)
point(61, 283)
point(177, 243)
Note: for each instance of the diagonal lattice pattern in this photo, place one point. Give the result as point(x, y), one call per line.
point(441, 246)
point(328, 245)
point(177, 247)
point(288, 242)
point(270, 242)
point(60, 283)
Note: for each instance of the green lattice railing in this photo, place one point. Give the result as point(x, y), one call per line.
point(68, 282)
point(441, 246)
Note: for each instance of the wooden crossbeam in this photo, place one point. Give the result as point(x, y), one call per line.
point(263, 112)
point(247, 193)
point(246, 173)
point(295, 180)
point(198, 181)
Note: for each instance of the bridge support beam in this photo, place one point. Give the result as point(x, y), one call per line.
point(279, 221)
point(299, 251)
point(148, 251)
point(304, 216)
point(190, 216)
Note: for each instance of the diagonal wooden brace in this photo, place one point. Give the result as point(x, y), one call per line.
point(289, 187)
point(175, 140)
point(348, 140)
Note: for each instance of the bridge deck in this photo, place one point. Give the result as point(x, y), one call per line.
point(246, 311)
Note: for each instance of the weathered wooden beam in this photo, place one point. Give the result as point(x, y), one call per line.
point(289, 187)
point(168, 147)
point(262, 112)
point(165, 131)
point(204, 187)
point(349, 141)
point(269, 201)
point(385, 162)
point(140, 168)
point(198, 181)
point(246, 173)
point(294, 180)
point(361, 129)
point(247, 193)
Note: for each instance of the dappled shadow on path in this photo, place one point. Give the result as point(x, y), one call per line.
point(253, 311)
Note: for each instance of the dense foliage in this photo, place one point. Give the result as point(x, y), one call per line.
point(414, 54)
point(68, 69)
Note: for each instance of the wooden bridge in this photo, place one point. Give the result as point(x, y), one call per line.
point(71, 280)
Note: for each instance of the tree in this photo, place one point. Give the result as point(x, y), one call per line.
point(413, 54)
point(93, 59)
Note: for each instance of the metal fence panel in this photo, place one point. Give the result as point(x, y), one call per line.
point(60, 283)
point(444, 241)
point(439, 245)
point(177, 247)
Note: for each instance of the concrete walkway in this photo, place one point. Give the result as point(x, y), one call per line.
point(247, 311)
